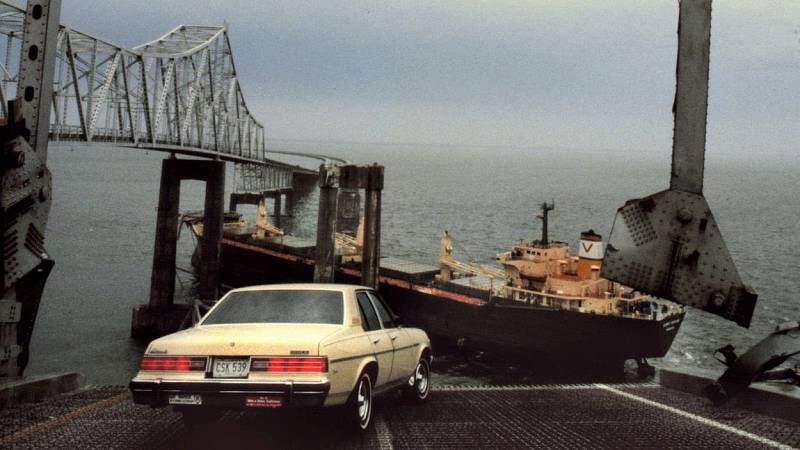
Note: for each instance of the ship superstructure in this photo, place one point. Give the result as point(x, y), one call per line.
point(545, 273)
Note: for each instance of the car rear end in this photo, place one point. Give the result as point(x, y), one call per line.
point(240, 357)
point(232, 381)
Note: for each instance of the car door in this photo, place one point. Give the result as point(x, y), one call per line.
point(404, 357)
point(381, 343)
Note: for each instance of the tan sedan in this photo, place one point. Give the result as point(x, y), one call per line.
point(277, 346)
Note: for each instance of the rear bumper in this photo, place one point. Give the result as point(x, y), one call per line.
point(230, 393)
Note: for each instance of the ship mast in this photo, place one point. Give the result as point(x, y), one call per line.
point(545, 209)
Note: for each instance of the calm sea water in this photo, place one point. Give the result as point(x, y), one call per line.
point(102, 224)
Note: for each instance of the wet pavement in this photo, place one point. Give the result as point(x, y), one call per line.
point(592, 415)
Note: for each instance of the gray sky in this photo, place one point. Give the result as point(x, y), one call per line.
point(594, 74)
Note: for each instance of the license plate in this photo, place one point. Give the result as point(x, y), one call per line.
point(263, 401)
point(185, 399)
point(230, 368)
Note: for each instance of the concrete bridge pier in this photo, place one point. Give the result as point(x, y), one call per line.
point(213, 219)
point(277, 209)
point(326, 224)
point(161, 315)
point(371, 251)
point(349, 178)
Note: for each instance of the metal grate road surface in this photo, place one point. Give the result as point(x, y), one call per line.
point(542, 416)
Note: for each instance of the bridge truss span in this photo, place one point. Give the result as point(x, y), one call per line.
point(179, 90)
point(178, 93)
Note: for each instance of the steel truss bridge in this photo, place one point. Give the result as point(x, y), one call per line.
point(179, 93)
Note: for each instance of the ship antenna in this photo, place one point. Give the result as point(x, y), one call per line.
point(545, 209)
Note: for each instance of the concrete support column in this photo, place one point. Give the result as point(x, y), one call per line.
point(212, 231)
point(370, 252)
point(326, 224)
point(278, 209)
point(233, 203)
point(162, 279)
point(290, 201)
point(161, 316)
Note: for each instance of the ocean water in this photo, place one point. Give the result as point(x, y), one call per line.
point(102, 223)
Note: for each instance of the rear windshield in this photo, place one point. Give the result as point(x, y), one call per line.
point(289, 306)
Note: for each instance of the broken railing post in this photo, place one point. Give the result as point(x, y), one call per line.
point(326, 224)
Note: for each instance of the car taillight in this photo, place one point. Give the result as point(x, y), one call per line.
point(173, 363)
point(315, 364)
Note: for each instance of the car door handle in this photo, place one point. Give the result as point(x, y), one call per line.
point(376, 341)
point(394, 337)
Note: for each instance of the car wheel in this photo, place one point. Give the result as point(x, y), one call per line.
point(196, 417)
point(419, 384)
point(359, 408)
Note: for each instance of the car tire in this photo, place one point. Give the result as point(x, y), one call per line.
point(359, 406)
point(419, 384)
point(197, 417)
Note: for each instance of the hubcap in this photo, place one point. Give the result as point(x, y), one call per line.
point(363, 401)
point(421, 379)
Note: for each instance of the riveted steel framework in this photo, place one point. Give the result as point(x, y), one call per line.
point(253, 177)
point(179, 93)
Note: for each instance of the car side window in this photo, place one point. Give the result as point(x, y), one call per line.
point(383, 311)
point(369, 320)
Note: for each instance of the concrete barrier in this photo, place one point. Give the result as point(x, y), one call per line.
point(776, 399)
point(36, 388)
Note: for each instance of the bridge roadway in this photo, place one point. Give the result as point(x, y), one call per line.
point(533, 416)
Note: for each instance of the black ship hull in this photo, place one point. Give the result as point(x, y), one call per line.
point(502, 326)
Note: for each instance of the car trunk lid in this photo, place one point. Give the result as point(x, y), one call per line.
point(245, 340)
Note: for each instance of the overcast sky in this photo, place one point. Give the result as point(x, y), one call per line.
point(591, 74)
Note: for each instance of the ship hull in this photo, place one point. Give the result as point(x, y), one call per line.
point(526, 333)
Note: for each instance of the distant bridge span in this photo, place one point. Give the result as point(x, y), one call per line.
point(179, 94)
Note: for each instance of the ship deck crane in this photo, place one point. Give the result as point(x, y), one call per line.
point(350, 246)
point(448, 264)
point(263, 227)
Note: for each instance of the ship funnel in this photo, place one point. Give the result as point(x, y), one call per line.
point(590, 253)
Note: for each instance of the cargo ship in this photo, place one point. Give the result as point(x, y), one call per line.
point(544, 304)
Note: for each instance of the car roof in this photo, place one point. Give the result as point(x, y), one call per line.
point(301, 286)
